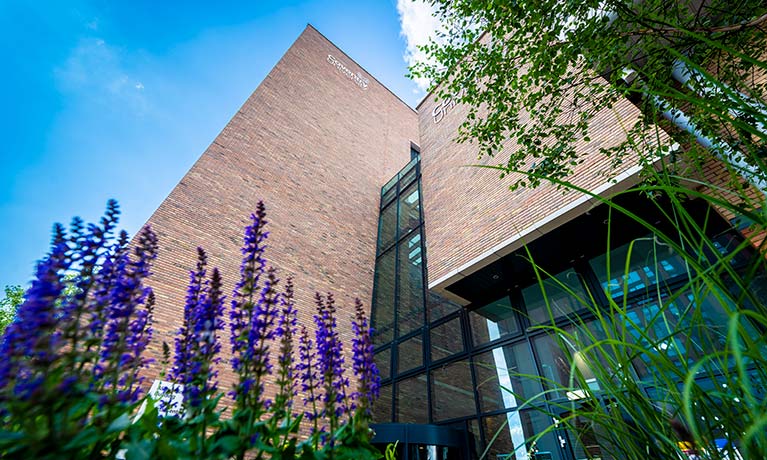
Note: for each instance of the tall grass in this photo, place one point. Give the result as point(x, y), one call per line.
point(674, 368)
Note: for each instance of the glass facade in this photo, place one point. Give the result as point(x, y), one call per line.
point(465, 366)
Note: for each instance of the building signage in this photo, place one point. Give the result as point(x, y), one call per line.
point(357, 78)
point(445, 106)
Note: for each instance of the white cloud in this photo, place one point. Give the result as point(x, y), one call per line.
point(97, 70)
point(418, 24)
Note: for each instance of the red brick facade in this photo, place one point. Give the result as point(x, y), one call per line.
point(471, 217)
point(315, 142)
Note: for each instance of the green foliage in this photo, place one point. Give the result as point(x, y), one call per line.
point(14, 296)
point(538, 73)
point(704, 374)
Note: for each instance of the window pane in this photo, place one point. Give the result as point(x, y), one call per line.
point(409, 209)
point(410, 354)
point(438, 306)
point(651, 262)
point(556, 354)
point(452, 392)
point(560, 301)
point(446, 339)
point(678, 332)
point(387, 227)
point(382, 406)
point(383, 302)
point(515, 430)
point(493, 321)
point(502, 379)
point(383, 362)
point(412, 400)
point(411, 311)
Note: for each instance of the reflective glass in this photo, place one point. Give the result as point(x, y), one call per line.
point(503, 380)
point(410, 310)
point(446, 339)
point(409, 209)
point(382, 405)
point(679, 332)
point(650, 262)
point(557, 353)
point(493, 321)
point(387, 227)
point(509, 436)
point(410, 354)
point(383, 362)
point(383, 302)
point(412, 400)
point(438, 306)
point(452, 392)
point(560, 301)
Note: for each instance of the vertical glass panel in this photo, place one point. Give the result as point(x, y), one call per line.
point(493, 321)
point(452, 392)
point(561, 302)
point(387, 227)
point(557, 353)
point(383, 302)
point(446, 339)
point(514, 433)
point(409, 209)
point(410, 311)
point(410, 354)
point(476, 444)
point(382, 406)
point(679, 332)
point(383, 362)
point(438, 307)
point(503, 380)
point(412, 400)
point(650, 262)
point(408, 176)
point(587, 440)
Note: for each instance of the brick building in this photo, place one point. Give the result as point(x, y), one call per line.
point(356, 183)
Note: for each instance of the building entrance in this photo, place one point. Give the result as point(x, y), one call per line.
point(422, 442)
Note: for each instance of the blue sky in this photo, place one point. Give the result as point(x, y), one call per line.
point(117, 99)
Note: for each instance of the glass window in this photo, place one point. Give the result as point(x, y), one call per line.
point(389, 191)
point(446, 339)
point(410, 354)
point(506, 377)
point(678, 332)
point(439, 307)
point(387, 227)
point(560, 301)
point(411, 312)
point(382, 405)
point(493, 321)
point(409, 209)
point(383, 362)
point(383, 302)
point(412, 400)
point(408, 176)
point(514, 431)
point(452, 392)
point(650, 262)
point(556, 353)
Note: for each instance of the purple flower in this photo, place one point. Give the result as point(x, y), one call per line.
point(252, 315)
point(285, 331)
point(363, 365)
point(30, 345)
point(117, 368)
point(330, 361)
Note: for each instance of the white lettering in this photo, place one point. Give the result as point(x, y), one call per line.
point(357, 78)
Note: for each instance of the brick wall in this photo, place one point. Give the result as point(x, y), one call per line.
point(316, 148)
point(470, 214)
